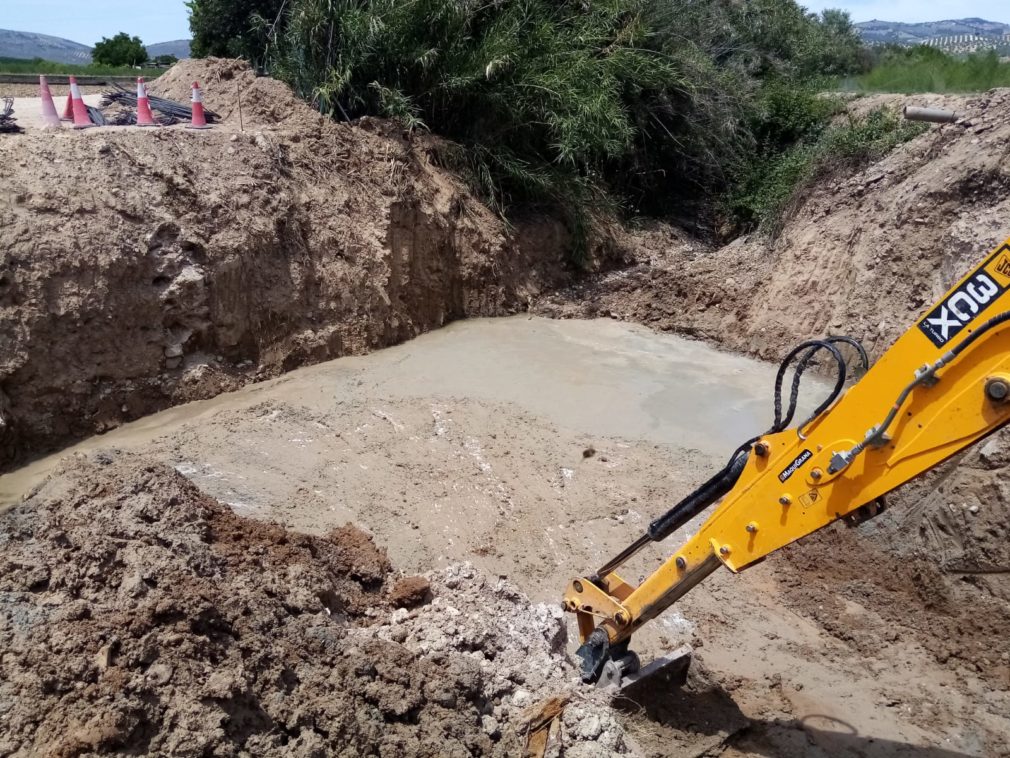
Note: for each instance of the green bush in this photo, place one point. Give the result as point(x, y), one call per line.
point(121, 50)
point(232, 28)
point(534, 92)
point(773, 181)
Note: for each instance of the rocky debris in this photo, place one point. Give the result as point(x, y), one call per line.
point(518, 650)
point(139, 616)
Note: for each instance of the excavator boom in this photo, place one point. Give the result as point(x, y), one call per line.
point(942, 386)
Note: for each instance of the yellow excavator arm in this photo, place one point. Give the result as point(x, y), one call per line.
point(942, 386)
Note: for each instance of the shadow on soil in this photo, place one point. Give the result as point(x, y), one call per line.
point(701, 717)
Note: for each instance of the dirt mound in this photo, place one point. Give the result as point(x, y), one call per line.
point(230, 86)
point(175, 265)
point(140, 616)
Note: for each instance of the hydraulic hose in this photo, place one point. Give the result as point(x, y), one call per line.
point(925, 375)
point(725, 479)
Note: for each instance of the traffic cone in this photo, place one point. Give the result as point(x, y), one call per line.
point(68, 110)
point(49, 115)
point(199, 119)
point(144, 115)
point(81, 118)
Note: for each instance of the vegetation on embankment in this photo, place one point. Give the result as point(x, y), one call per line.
point(926, 69)
point(799, 144)
point(40, 66)
point(659, 107)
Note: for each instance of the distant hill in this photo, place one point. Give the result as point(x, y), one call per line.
point(30, 45)
point(179, 48)
point(963, 35)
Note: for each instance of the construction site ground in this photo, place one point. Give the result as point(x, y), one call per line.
point(200, 317)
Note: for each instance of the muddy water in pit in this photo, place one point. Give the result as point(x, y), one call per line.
point(597, 377)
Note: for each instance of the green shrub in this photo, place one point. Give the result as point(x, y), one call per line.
point(772, 182)
point(121, 50)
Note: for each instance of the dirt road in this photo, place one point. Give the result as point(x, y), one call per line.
point(456, 447)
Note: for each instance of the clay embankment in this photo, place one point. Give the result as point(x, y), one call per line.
point(143, 268)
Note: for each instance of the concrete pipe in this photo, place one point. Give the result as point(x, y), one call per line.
point(933, 115)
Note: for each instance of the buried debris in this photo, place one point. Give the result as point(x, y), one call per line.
point(173, 111)
point(8, 124)
point(538, 722)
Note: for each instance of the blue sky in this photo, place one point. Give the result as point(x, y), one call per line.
point(916, 10)
point(87, 21)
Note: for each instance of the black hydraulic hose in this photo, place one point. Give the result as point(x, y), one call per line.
point(995, 321)
point(708, 493)
point(856, 345)
point(810, 347)
point(725, 479)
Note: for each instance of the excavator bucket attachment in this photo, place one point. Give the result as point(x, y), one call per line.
point(667, 672)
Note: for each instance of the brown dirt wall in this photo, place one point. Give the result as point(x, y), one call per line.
point(143, 268)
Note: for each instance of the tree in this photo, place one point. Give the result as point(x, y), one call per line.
point(232, 28)
point(836, 48)
point(121, 50)
point(166, 60)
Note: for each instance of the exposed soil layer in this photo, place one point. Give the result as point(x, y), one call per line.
point(139, 616)
point(142, 268)
point(960, 623)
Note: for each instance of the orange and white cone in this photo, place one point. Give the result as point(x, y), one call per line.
point(49, 114)
point(144, 115)
point(199, 119)
point(81, 118)
point(68, 110)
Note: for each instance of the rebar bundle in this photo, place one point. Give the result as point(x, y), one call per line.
point(96, 116)
point(129, 118)
point(170, 108)
point(8, 124)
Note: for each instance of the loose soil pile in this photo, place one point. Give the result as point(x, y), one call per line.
point(138, 615)
point(234, 91)
point(142, 268)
